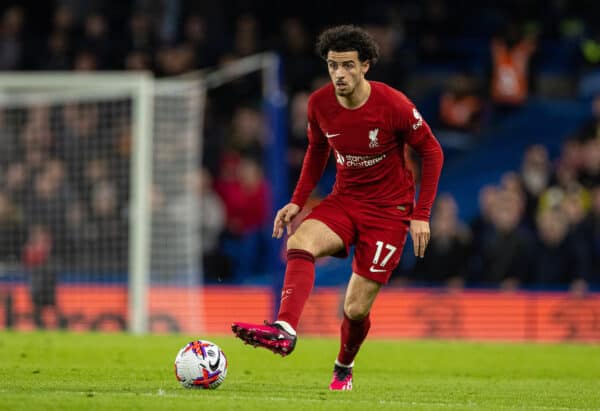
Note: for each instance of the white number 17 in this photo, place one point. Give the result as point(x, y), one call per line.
point(380, 246)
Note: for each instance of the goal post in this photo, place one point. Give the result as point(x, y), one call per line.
point(139, 213)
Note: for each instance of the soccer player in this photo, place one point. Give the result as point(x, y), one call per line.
point(367, 125)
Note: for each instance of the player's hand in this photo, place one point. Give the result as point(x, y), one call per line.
point(419, 231)
point(284, 218)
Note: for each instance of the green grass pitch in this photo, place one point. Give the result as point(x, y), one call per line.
point(68, 371)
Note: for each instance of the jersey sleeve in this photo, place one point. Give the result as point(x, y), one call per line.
point(315, 159)
point(416, 133)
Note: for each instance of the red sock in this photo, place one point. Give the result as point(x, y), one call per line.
point(353, 334)
point(297, 285)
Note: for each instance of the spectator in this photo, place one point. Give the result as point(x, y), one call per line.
point(58, 54)
point(175, 60)
point(105, 248)
point(247, 39)
point(12, 231)
point(138, 61)
point(511, 52)
point(196, 38)
point(141, 36)
point(445, 261)
point(246, 196)
point(80, 140)
point(590, 173)
point(64, 21)
point(535, 176)
point(48, 203)
point(11, 41)
point(216, 265)
point(569, 165)
point(300, 64)
point(487, 201)
point(245, 193)
point(505, 249)
point(36, 135)
point(555, 260)
point(512, 183)
point(208, 220)
point(95, 171)
point(96, 41)
point(461, 106)
point(16, 181)
point(248, 132)
point(38, 259)
point(85, 60)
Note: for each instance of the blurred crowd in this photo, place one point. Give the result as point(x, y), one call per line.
point(539, 227)
point(63, 179)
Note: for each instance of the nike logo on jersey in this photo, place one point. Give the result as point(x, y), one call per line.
point(332, 135)
point(376, 270)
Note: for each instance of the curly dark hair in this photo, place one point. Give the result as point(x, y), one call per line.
point(348, 38)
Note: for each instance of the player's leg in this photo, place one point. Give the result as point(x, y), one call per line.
point(314, 238)
point(359, 298)
point(360, 295)
point(377, 254)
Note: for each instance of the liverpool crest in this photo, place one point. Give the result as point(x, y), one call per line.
point(373, 142)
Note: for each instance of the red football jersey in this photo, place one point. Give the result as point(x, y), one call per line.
point(369, 144)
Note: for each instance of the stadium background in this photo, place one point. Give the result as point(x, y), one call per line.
point(515, 252)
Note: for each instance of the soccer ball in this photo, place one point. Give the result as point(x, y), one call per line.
point(201, 364)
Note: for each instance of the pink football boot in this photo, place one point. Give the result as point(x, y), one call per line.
point(342, 379)
point(270, 336)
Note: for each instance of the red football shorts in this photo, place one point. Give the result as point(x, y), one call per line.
point(377, 232)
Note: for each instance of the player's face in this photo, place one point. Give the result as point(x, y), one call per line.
point(346, 71)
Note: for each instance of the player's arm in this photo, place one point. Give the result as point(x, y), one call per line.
point(315, 161)
point(419, 136)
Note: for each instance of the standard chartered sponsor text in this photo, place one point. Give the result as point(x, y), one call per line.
point(362, 161)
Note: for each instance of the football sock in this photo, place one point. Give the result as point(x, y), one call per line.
point(286, 326)
point(339, 364)
point(297, 285)
point(353, 334)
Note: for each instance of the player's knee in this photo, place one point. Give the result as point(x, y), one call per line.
point(354, 310)
point(299, 241)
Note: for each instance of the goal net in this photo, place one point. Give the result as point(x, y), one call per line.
point(99, 200)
